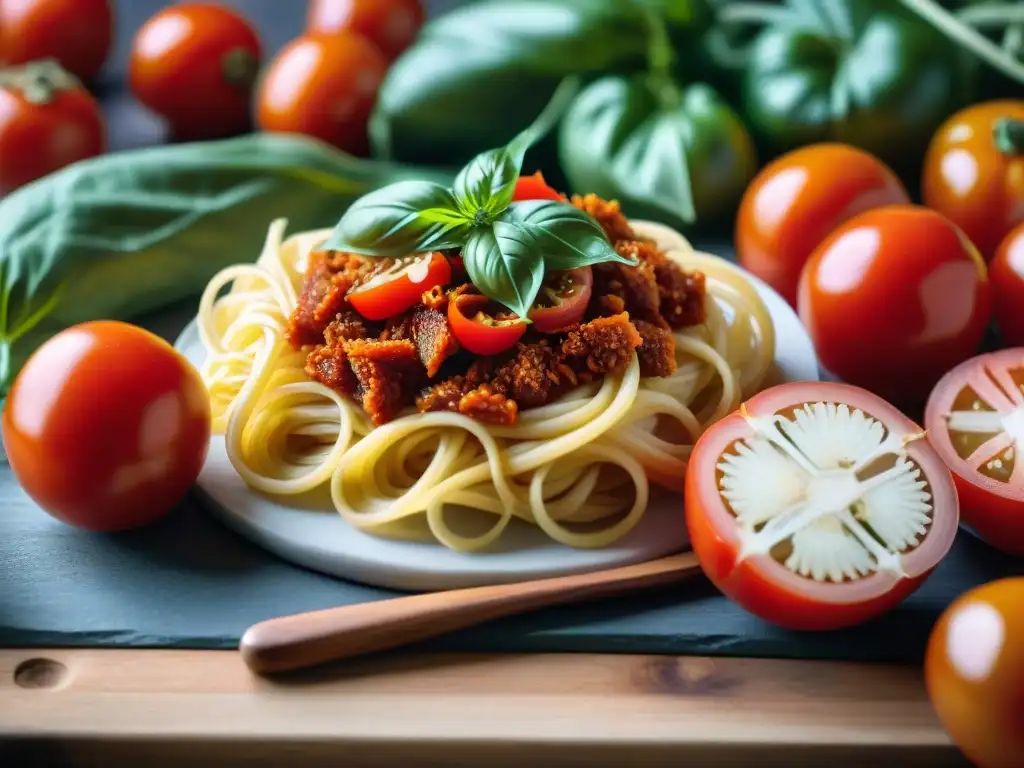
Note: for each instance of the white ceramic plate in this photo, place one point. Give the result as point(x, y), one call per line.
point(308, 532)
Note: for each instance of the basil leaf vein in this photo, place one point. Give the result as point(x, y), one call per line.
point(565, 236)
point(488, 182)
point(504, 263)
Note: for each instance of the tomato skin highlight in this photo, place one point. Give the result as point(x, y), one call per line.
point(974, 673)
point(534, 188)
point(476, 337)
point(194, 64)
point(893, 299)
point(798, 199)
point(390, 24)
point(77, 33)
point(106, 426)
point(1006, 271)
point(392, 295)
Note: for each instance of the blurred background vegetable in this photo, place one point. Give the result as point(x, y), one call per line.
point(391, 25)
point(77, 33)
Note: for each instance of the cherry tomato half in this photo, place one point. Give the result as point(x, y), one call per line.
point(399, 284)
point(893, 299)
point(974, 171)
point(798, 199)
point(534, 188)
point(806, 505)
point(323, 86)
point(47, 121)
point(390, 24)
point(975, 420)
point(477, 330)
point(974, 671)
point(1006, 272)
point(77, 33)
point(562, 300)
point(194, 64)
point(106, 426)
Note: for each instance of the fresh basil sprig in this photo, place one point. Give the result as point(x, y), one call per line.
point(506, 247)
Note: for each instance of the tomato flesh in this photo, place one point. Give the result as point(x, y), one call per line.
point(1006, 272)
point(106, 426)
point(479, 332)
point(399, 286)
point(534, 188)
point(975, 420)
point(804, 506)
point(563, 300)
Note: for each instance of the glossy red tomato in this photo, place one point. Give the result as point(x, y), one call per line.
point(77, 33)
point(400, 285)
point(59, 124)
point(1006, 272)
point(798, 199)
point(534, 188)
point(194, 64)
point(974, 171)
point(805, 506)
point(893, 299)
point(390, 24)
point(106, 426)
point(479, 331)
point(975, 420)
point(563, 300)
point(974, 670)
point(323, 86)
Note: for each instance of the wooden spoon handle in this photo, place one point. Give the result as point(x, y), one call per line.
point(307, 639)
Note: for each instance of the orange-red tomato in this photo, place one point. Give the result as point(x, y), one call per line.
point(976, 179)
point(975, 420)
point(534, 188)
point(393, 290)
point(1006, 271)
point(57, 125)
point(478, 331)
point(77, 33)
point(563, 300)
point(798, 199)
point(195, 64)
point(323, 86)
point(106, 426)
point(974, 671)
point(390, 24)
point(805, 506)
point(893, 299)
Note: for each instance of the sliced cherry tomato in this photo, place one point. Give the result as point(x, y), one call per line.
point(975, 420)
point(76, 33)
point(390, 24)
point(893, 299)
point(534, 188)
point(1006, 271)
point(195, 64)
point(562, 300)
point(106, 426)
point(323, 86)
point(974, 171)
point(974, 671)
point(798, 199)
point(480, 331)
point(807, 508)
point(47, 121)
point(399, 285)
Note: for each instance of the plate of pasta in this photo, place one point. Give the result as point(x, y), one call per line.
point(391, 420)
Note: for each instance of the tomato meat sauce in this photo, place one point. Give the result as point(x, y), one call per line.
point(818, 505)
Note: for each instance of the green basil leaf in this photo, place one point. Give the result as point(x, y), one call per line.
point(402, 218)
point(505, 264)
point(566, 237)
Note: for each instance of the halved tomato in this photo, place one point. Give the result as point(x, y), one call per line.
point(975, 420)
point(818, 505)
point(562, 300)
point(480, 331)
point(399, 284)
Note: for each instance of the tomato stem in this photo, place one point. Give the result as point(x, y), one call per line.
point(240, 67)
point(39, 82)
point(1009, 136)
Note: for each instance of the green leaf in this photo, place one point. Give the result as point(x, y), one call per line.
point(402, 218)
point(566, 236)
point(505, 264)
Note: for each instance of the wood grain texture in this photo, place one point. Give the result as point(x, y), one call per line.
point(307, 639)
point(90, 707)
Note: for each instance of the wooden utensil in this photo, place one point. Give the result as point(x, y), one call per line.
point(307, 639)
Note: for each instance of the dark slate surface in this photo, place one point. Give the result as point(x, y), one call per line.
point(188, 582)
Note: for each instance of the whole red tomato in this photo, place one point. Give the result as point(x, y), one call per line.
point(106, 426)
point(77, 33)
point(1007, 275)
point(323, 86)
point(798, 199)
point(195, 64)
point(974, 670)
point(390, 24)
point(893, 299)
point(47, 120)
point(974, 171)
